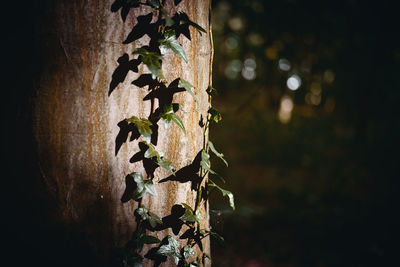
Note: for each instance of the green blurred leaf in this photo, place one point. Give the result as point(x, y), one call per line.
point(217, 237)
point(188, 87)
point(143, 187)
point(224, 192)
point(171, 249)
point(170, 42)
point(220, 155)
point(168, 21)
point(143, 126)
point(152, 61)
point(215, 115)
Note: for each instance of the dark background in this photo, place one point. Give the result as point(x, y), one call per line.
point(318, 189)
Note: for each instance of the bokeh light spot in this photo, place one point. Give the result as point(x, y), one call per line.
point(294, 82)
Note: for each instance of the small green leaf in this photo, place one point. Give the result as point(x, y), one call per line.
point(212, 91)
point(188, 252)
point(168, 21)
point(220, 155)
point(215, 115)
point(148, 239)
point(154, 220)
point(152, 61)
point(185, 19)
point(170, 42)
point(190, 215)
point(188, 87)
point(171, 249)
point(168, 115)
point(205, 161)
point(143, 187)
point(152, 153)
point(224, 192)
point(149, 216)
point(143, 126)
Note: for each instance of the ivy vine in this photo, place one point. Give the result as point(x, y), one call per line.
point(164, 33)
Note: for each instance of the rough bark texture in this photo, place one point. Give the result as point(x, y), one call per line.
point(75, 123)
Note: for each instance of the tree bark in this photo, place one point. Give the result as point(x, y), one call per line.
point(75, 121)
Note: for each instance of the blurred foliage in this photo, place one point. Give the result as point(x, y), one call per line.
point(308, 91)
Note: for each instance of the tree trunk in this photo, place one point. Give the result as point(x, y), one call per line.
point(76, 121)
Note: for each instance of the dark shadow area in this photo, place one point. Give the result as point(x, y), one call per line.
point(189, 173)
point(125, 65)
point(124, 6)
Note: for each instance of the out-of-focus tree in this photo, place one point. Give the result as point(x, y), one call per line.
point(308, 94)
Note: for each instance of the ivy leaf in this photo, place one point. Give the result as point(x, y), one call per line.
point(215, 115)
point(212, 91)
point(188, 252)
point(190, 215)
point(220, 155)
point(168, 21)
point(185, 20)
point(152, 61)
point(143, 187)
point(219, 238)
point(143, 126)
point(168, 115)
point(149, 216)
point(148, 239)
point(224, 192)
point(170, 42)
point(171, 249)
point(152, 153)
point(188, 87)
point(205, 161)
point(154, 3)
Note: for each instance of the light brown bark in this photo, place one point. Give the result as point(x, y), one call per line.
point(75, 122)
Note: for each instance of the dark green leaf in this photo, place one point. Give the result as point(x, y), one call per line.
point(170, 42)
point(188, 252)
point(188, 87)
point(143, 126)
point(224, 192)
point(215, 115)
point(212, 91)
point(220, 155)
point(151, 151)
point(219, 238)
point(152, 61)
point(185, 19)
point(154, 3)
point(142, 186)
point(171, 249)
point(148, 239)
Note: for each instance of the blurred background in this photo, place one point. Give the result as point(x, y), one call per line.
point(309, 92)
